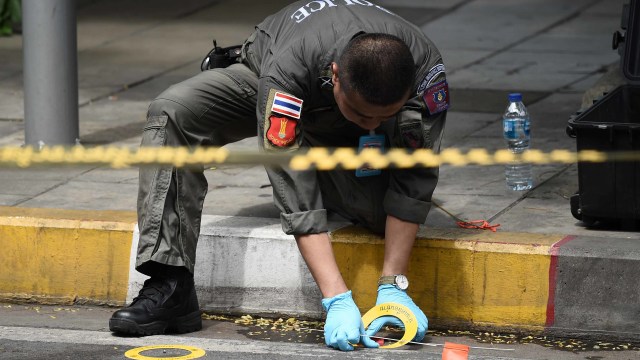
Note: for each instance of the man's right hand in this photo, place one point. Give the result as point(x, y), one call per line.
point(343, 326)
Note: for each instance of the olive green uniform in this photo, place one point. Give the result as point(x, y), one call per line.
point(289, 55)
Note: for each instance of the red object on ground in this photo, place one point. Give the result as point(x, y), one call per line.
point(478, 224)
point(454, 351)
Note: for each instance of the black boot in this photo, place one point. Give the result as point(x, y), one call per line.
point(164, 304)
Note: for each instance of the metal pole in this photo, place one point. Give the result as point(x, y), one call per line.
point(50, 60)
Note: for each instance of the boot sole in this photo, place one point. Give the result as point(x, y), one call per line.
point(130, 327)
point(186, 324)
point(181, 325)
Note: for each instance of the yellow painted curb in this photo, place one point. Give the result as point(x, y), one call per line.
point(459, 276)
point(65, 256)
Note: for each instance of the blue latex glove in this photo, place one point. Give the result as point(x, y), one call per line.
point(343, 326)
point(389, 293)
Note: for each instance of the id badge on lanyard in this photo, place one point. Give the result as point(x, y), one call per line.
point(370, 141)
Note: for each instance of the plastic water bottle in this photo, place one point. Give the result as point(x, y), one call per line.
point(516, 125)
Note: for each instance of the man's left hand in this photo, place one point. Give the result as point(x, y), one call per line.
point(389, 293)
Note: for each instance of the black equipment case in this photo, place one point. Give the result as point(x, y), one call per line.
point(610, 192)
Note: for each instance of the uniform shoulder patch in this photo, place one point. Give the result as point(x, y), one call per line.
point(433, 73)
point(287, 105)
point(436, 97)
point(282, 130)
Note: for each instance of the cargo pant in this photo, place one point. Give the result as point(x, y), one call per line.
point(213, 108)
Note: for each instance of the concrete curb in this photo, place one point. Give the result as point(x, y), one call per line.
point(461, 278)
point(596, 288)
point(64, 256)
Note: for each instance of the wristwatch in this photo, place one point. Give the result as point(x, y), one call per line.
point(399, 281)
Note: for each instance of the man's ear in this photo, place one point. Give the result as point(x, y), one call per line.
point(334, 72)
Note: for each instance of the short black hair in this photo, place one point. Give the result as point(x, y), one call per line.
point(377, 66)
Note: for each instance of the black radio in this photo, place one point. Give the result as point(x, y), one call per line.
point(220, 57)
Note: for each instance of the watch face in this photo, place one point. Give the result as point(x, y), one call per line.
point(402, 282)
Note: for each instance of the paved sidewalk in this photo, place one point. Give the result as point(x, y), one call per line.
point(546, 269)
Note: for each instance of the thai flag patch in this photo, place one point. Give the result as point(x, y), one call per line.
point(286, 104)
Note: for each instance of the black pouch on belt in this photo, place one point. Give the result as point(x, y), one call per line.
point(220, 57)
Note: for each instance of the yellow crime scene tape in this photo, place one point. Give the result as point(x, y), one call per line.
point(312, 158)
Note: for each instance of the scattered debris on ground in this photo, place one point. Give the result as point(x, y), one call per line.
point(306, 331)
point(566, 344)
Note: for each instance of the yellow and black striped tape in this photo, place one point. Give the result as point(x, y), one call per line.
point(317, 158)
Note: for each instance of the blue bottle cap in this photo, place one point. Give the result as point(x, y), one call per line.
point(515, 97)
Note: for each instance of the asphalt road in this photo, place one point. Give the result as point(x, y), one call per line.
point(81, 332)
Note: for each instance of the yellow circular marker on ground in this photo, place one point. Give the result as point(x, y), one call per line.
point(402, 312)
point(194, 352)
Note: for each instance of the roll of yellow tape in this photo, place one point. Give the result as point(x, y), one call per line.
point(402, 312)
